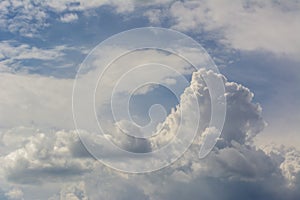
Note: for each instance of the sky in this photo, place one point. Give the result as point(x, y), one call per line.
point(56, 91)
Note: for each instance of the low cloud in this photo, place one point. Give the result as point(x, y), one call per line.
point(41, 156)
point(235, 169)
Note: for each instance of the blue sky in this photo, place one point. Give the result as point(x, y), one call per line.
point(256, 46)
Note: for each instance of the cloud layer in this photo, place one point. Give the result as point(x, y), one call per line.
point(235, 168)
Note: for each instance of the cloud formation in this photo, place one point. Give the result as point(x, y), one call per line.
point(243, 25)
point(42, 156)
point(15, 193)
point(38, 156)
point(69, 17)
point(27, 18)
point(235, 168)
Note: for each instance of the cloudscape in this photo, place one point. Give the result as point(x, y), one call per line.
point(149, 100)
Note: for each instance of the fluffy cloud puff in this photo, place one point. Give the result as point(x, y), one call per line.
point(243, 118)
point(39, 156)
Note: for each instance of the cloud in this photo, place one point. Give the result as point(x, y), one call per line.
point(243, 118)
point(289, 161)
point(233, 157)
point(129, 143)
point(74, 191)
point(69, 17)
point(22, 17)
point(32, 100)
point(154, 16)
point(28, 18)
point(39, 99)
point(13, 54)
point(15, 194)
point(39, 146)
point(41, 156)
point(14, 50)
point(243, 25)
point(235, 169)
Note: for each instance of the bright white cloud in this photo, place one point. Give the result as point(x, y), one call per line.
point(13, 53)
point(13, 50)
point(44, 156)
point(69, 17)
point(27, 18)
point(289, 161)
point(243, 25)
point(242, 123)
point(22, 17)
